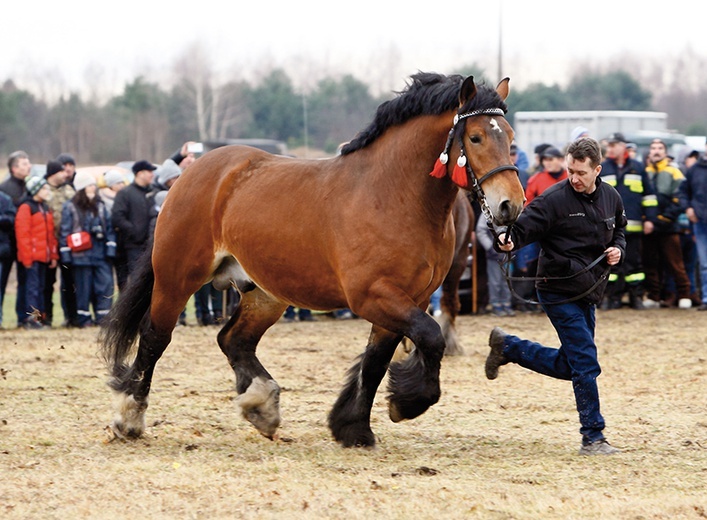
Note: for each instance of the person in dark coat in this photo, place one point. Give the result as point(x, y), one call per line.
point(19, 166)
point(693, 196)
point(7, 230)
point(92, 268)
point(630, 179)
point(132, 211)
point(576, 222)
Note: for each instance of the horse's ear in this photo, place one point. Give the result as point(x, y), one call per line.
point(467, 91)
point(503, 88)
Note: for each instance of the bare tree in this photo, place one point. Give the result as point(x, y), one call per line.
point(217, 103)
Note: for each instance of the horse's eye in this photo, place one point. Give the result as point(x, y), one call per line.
point(475, 139)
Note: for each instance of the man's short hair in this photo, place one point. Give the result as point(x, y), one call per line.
point(585, 148)
point(661, 142)
point(14, 158)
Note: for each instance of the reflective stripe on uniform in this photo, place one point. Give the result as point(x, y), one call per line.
point(635, 277)
point(633, 182)
point(634, 226)
point(609, 179)
point(650, 201)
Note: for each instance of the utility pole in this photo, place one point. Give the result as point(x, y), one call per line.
point(500, 40)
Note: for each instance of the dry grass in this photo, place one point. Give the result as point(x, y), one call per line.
point(489, 449)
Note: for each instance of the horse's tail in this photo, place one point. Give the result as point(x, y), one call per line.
point(128, 316)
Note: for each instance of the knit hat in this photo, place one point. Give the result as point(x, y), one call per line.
point(52, 168)
point(578, 132)
point(82, 180)
point(168, 170)
point(66, 158)
point(113, 177)
point(159, 198)
point(34, 183)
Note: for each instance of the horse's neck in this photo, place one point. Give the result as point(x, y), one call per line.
point(405, 156)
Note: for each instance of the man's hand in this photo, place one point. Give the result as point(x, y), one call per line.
point(691, 215)
point(613, 255)
point(503, 246)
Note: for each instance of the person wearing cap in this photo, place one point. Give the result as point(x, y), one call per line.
point(19, 166)
point(538, 163)
point(576, 222)
point(36, 248)
point(114, 181)
point(632, 149)
point(93, 269)
point(577, 132)
point(553, 171)
point(661, 248)
point(630, 179)
point(693, 196)
point(58, 181)
point(69, 163)
point(166, 175)
point(687, 238)
point(131, 215)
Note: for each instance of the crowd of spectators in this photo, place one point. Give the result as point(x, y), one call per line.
point(87, 233)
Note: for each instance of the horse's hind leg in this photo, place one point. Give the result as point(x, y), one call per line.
point(450, 310)
point(131, 384)
point(258, 393)
point(350, 419)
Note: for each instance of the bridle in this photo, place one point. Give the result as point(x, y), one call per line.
point(463, 170)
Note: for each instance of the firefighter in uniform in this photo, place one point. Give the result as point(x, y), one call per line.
point(630, 179)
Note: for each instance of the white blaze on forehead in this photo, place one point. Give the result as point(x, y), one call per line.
point(494, 125)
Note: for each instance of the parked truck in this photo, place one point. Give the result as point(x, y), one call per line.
point(555, 127)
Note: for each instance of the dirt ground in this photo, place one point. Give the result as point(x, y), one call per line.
point(500, 449)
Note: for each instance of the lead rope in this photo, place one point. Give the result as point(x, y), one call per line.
point(505, 268)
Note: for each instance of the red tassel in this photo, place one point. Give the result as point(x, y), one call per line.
point(440, 170)
point(459, 176)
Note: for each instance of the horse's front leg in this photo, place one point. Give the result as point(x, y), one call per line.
point(350, 418)
point(413, 384)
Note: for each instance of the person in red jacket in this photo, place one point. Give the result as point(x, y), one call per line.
point(36, 247)
point(553, 171)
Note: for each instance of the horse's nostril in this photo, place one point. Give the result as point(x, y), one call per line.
point(507, 212)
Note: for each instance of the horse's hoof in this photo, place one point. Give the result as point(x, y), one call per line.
point(355, 437)
point(394, 413)
point(123, 433)
point(405, 409)
point(260, 406)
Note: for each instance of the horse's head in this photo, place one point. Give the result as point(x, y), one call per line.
point(481, 140)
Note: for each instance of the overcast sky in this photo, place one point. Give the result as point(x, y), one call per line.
point(71, 43)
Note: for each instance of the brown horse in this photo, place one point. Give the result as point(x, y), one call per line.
point(370, 230)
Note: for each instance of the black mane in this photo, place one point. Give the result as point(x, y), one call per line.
point(428, 94)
